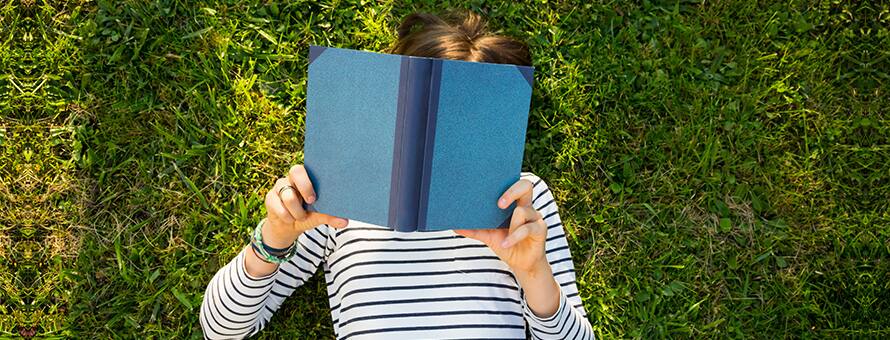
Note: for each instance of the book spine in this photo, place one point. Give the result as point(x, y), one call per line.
point(411, 123)
point(396, 188)
point(432, 108)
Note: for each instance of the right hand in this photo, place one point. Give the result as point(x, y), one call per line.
point(285, 217)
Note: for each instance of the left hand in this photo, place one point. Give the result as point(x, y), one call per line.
point(521, 246)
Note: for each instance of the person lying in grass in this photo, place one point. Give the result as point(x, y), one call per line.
point(514, 282)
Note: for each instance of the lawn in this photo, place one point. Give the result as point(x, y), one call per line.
point(721, 166)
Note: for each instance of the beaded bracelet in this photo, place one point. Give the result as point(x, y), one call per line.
point(268, 253)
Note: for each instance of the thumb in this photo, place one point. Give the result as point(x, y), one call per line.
point(468, 233)
point(487, 236)
point(317, 218)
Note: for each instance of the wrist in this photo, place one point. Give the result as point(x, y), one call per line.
point(256, 266)
point(269, 253)
point(541, 289)
point(278, 236)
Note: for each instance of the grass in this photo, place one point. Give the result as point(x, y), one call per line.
point(721, 166)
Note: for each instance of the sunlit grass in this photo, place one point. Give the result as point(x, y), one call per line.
point(721, 166)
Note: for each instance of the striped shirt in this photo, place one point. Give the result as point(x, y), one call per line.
point(384, 284)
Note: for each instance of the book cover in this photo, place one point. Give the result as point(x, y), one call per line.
point(414, 143)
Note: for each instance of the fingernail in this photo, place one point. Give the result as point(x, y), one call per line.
point(310, 199)
point(505, 243)
point(502, 202)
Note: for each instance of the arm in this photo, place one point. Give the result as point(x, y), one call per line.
point(237, 304)
point(537, 252)
point(244, 294)
point(569, 319)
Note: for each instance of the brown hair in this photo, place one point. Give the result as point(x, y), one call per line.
point(459, 37)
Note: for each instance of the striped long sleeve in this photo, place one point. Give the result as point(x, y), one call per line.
point(570, 320)
point(237, 305)
point(388, 284)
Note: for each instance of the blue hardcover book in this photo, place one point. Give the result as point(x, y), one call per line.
point(414, 143)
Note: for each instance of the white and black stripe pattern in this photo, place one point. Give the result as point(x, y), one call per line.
point(387, 284)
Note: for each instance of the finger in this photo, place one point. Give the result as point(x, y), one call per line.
point(317, 218)
point(533, 230)
point(520, 192)
point(292, 202)
point(516, 235)
point(299, 178)
point(275, 208)
point(523, 215)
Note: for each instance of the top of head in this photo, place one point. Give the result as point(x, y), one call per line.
point(459, 38)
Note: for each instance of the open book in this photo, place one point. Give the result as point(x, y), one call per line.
point(414, 143)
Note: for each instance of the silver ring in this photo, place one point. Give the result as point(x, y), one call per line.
point(284, 187)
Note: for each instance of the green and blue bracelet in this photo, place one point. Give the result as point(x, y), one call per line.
point(268, 253)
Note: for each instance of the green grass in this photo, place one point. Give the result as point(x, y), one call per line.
point(721, 166)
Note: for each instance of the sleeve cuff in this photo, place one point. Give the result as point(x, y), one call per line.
point(242, 270)
point(548, 322)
